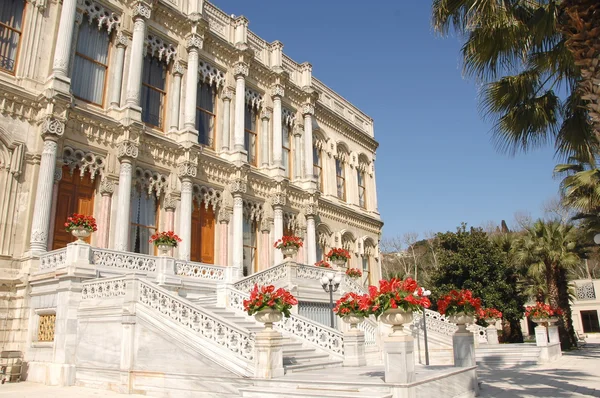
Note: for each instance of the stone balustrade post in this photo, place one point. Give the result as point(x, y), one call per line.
point(463, 346)
point(354, 348)
point(541, 336)
point(117, 81)
point(553, 336)
point(399, 359)
point(268, 347)
point(127, 153)
point(52, 130)
point(492, 334)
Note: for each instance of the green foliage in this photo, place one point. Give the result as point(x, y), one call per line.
point(468, 259)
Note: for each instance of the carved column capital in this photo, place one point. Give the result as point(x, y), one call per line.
point(265, 224)
point(227, 93)
point(241, 69)
point(308, 109)
point(239, 186)
point(58, 174)
point(127, 149)
point(265, 114)
point(141, 10)
point(224, 215)
point(170, 201)
point(107, 187)
point(298, 129)
point(122, 40)
point(277, 90)
point(194, 41)
point(279, 198)
point(178, 68)
point(52, 128)
point(187, 169)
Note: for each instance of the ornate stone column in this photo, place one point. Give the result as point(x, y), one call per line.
point(238, 188)
point(194, 44)
point(57, 178)
point(107, 188)
point(141, 12)
point(277, 93)
point(176, 96)
point(127, 152)
point(297, 152)
point(240, 72)
point(278, 199)
point(265, 115)
point(227, 95)
point(311, 212)
point(308, 110)
point(186, 170)
point(170, 204)
point(224, 216)
point(117, 81)
point(52, 130)
point(64, 39)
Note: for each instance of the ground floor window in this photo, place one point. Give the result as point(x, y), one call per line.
point(144, 221)
point(250, 248)
point(589, 321)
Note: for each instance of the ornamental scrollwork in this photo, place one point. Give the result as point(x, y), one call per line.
point(104, 16)
point(265, 114)
point(187, 169)
point(149, 181)
point(107, 187)
point(178, 68)
point(46, 325)
point(53, 127)
point(227, 94)
point(170, 201)
point(127, 149)
point(194, 40)
point(84, 161)
point(141, 10)
point(277, 90)
point(238, 186)
point(224, 215)
point(122, 40)
point(279, 198)
point(308, 109)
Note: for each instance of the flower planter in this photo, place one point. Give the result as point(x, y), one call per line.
point(491, 321)
point(289, 253)
point(163, 250)
point(268, 317)
point(339, 262)
point(353, 320)
point(461, 320)
point(396, 318)
point(545, 321)
point(81, 233)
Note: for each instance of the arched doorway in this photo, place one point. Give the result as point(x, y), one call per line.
point(203, 234)
point(75, 195)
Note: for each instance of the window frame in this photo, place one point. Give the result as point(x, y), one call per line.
point(341, 177)
point(164, 97)
point(284, 127)
point(252, 133)
point(156, 222)
point(253, 231)
point(206, 111)
point(20, 33)
point(108, 59)
point(361, 175)
point(316, 165)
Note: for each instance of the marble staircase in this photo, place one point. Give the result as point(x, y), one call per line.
point(507, 355)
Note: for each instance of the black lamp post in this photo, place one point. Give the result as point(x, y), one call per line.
point(330, 283)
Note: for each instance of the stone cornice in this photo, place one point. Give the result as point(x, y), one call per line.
point(18, 103)
point(341, 125)
point(342, 214)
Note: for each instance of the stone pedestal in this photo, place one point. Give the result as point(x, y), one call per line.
point(165, 274)
point(463, 345)
point(541, 336)
point(492, 335)
point(553, 336)
point(354, 348)
point(268, 355)
point(398, 359)
point(550, 352)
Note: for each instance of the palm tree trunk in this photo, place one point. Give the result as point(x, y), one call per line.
point(565, 305)
point(553, 278)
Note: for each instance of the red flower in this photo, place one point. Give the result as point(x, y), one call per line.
point(288, 241)
point(455, 302)
point(323, 264)
point(338, 254)
point(542, 310)
point(77, 220)
point(267, 297)
point(353, 272)
point(165, 238)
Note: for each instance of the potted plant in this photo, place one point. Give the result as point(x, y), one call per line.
point(164, 241)
point(490, 315)
point(81, 226)
point(542, 313)
point(289, 246)
point(396, 300)
point(338, 256)
point(322, 264)
point(269, 305)
point(354, 273)
point(460, 307)
point(353, 308)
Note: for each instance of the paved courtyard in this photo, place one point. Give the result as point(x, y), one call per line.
point(576, 374)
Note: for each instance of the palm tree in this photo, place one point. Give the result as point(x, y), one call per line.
point(516, 49)
point(550, 249)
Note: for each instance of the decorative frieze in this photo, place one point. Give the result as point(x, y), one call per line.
point(105, 17)
point(84, 160)
point(157, 47)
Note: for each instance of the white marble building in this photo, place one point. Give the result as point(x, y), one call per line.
point(170, 115)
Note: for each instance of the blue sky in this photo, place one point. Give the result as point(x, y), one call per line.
point(436, 165)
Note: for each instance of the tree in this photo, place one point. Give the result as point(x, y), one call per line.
point(550, 250)
point(468, 259)
point(525, 52)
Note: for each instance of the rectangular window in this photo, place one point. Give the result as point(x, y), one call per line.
point(205, 114)
point(365, 269)
point(46, 324)
point(286, 149)
point(11, 24)
point(250, 134)
point(589, 321)
point(144, 221)
point(318, 168)
point(362, 201)
point(91, 63)
point(249, 243)
point(153, 91)
point(340, 179)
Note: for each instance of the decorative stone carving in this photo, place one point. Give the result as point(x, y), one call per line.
point(265, 114)
point(194, 40)
point(122, 40)
point(279, 198)
point(298, 129)
point(141, 10)
point(253, 98)
point(187, 169)
point(277, 90)
point(85, 161)
point(148, 181)
point(265, 225)
point(104, 16)
point(252, 211)
point(210, 197)
point(46, 327)
point(227, 93)
point(291, 221)
point(211, 74)
point(241, 69)
point(288, 116)
point(224, 215)
point(107, 187)
point(127, 149)
point(170, 201)
point(157, 47)
point(238, 186)
point(57, 174)
point(586, 291)
point(53, 127)
point(178, 68)
point(308, 109)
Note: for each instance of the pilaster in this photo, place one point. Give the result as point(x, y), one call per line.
point(240, 71)
point(141, 12)
point(277, 92)
point(107, 188)
point(227, 96)
point(187, 170)
point(278, 200)
point(194, 43)
point(238, 188)
point(122, 41)
point(265, 116)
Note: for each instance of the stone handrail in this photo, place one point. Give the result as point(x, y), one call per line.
point(350, 285)
point(199, 270)
point(262, 278)
point(53, 259)
point(438, 323)
point(370, 328)
point(124, 260)
point(220, 331)
point(325, 338)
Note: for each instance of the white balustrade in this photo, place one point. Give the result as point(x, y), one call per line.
point(438, 323)
point(263, 278)
point(54, 259)
point(104, 288)
point(199, 270)
point(124, 260)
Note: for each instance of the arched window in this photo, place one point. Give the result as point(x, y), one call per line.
point(90, 65)
point(11, 25)
point(206, 114)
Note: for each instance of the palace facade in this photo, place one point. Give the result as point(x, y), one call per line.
point(172, 115)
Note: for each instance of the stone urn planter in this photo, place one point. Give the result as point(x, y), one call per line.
point(353, 320)
point(461, 320)
point(396, 318)
point(81, 233)
point(339, 262)
point(163, 250)
point(491, 321)
point(545, 321)
point(268, 316)
point(289, 253)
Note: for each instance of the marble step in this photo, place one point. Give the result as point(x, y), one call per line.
point(279, 392)
point(312, 366)
point(289, 352)
point(305, 358)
